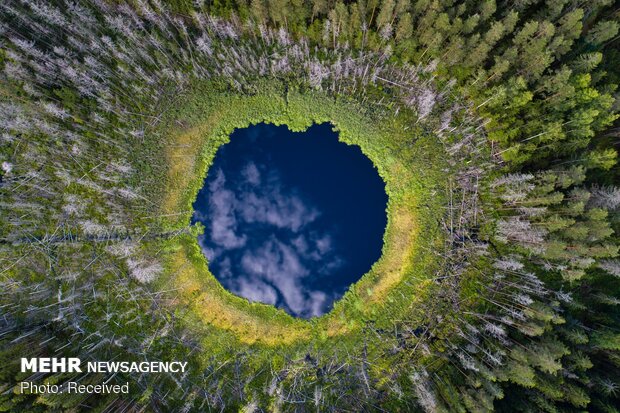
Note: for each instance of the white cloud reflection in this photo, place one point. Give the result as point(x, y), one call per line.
point(276, 269)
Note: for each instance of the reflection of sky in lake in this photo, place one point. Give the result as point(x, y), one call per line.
point(291, 219)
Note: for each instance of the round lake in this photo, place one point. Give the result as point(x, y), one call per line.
point(291, 219)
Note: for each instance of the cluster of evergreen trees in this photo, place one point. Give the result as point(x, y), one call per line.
point(522, 94)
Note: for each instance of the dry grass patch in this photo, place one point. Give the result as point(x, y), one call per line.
point(400, 240)
point(214, 306)
point(182, 161)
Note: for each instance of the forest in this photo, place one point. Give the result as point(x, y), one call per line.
point(494, 125)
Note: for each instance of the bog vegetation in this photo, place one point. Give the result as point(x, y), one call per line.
point(494, 125)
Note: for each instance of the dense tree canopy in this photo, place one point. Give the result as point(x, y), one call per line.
point(494, 124)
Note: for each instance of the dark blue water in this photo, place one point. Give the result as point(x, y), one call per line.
point(291, 219)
